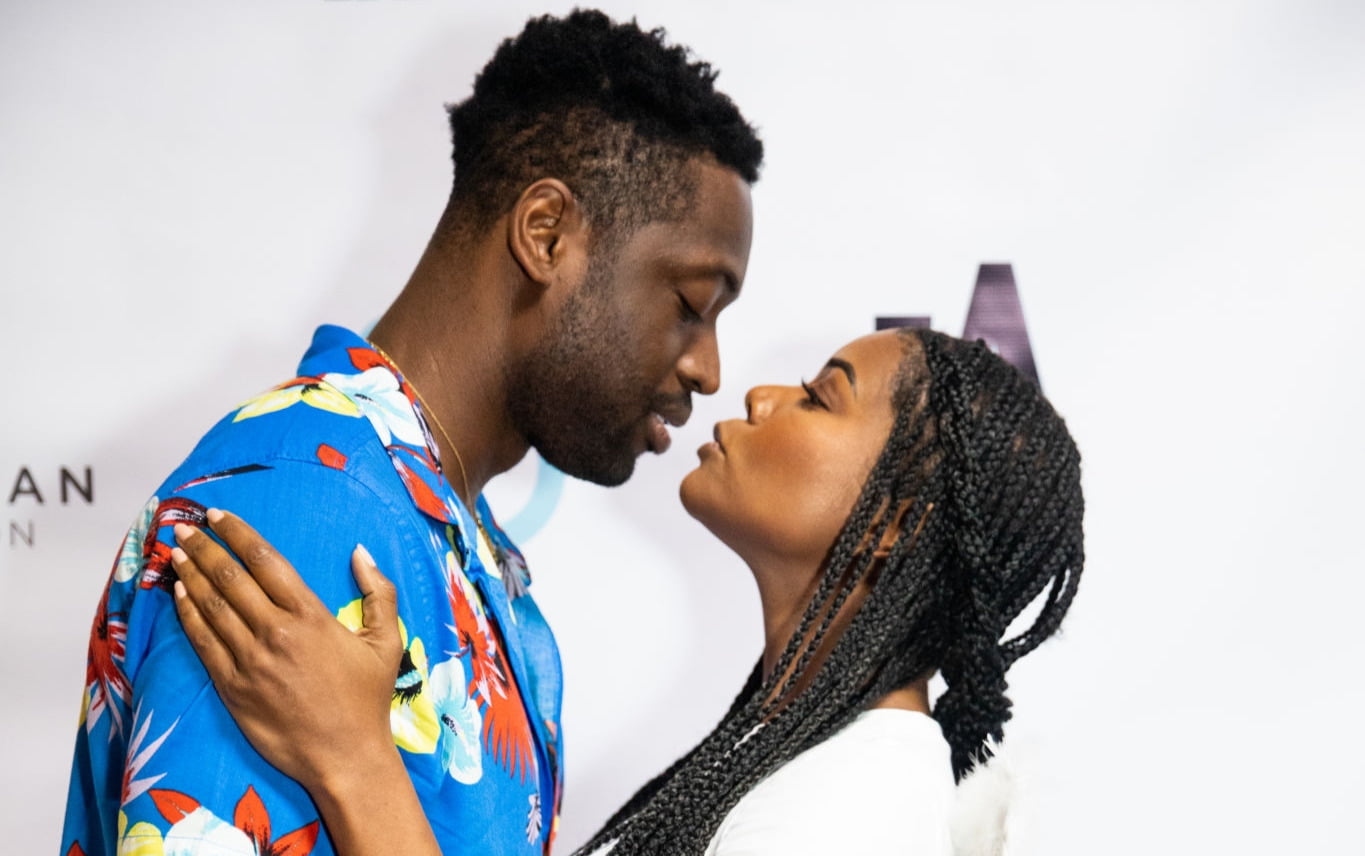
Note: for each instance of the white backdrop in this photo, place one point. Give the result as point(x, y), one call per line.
point(187, 188)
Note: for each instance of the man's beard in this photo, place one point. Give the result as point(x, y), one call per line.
point(575, 400)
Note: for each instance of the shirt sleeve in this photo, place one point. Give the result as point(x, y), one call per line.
point(852, 797)
point(159, 762)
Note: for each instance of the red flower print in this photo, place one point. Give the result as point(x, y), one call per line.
point(250, 816)
point(422, 494)
point(107, 685)
point(331, 457)
point(156, 554)
point(365, 359)
point(505, 729)
point(173, 805)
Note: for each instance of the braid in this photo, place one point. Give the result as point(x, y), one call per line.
point(1015, 504)
point(971, 512)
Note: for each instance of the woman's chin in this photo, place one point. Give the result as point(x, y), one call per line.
point(688, 494)
point(696, 499)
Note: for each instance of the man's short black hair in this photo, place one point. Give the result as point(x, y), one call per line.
point(609, 109)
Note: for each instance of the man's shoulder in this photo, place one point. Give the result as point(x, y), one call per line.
point(299, 421)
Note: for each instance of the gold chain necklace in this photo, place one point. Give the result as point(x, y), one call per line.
point(464, 475)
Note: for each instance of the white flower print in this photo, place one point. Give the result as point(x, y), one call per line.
point(461, 750)
point(383, 403)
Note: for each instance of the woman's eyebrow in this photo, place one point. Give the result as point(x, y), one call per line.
point(847, 368)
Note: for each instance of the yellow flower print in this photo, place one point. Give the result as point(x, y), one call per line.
point(412, 715)
point(143, 839)
point(311, 391)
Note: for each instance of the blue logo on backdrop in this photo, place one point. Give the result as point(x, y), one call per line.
point(536, 513)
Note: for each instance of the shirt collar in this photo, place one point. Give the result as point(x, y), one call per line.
point(351, 364)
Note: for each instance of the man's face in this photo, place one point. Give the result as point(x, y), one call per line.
point(637, 337)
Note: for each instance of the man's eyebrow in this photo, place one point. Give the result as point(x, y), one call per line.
point(729, 280)
point(847, 368)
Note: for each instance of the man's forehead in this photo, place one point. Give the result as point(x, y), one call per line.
point(717, 229)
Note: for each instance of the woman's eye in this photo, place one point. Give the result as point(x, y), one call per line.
point(811, 397)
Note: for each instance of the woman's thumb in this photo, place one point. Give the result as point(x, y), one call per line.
point(379, 599)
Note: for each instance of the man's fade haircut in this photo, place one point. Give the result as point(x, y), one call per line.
point(609, 109)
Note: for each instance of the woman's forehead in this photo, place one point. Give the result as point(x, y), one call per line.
point(874, 358)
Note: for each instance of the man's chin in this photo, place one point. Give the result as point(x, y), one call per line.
point(602, 470)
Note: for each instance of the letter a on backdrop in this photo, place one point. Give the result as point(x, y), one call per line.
point(995, 316)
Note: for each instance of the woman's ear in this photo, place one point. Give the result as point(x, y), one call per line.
point(547, 233)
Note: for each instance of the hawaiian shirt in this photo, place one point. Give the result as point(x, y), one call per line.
point(338, 456)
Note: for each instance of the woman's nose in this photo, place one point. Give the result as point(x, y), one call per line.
point(759, 402)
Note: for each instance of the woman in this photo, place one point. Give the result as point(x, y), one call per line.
point(898, 512)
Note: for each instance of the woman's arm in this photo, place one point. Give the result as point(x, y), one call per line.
point(311, 696)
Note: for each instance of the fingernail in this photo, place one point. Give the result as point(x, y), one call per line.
point(183, 531)
point(214, 515)
point(179, 589)
point(364, 555)
point(178, 556)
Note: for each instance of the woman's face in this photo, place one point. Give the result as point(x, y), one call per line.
point(779, 484)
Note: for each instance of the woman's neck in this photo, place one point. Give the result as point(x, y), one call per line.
point(784, 591)
point(913, 697)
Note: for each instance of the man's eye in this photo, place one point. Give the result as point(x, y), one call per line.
point(686, 312)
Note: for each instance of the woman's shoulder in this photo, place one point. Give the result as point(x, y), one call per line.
point(886, 753)
point(883, 725)
point(882, 784)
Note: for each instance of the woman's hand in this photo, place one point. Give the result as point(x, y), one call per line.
point(310, 695)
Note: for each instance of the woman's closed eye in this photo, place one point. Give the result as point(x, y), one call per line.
point(813, 398)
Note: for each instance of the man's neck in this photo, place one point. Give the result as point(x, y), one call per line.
point(447, 334)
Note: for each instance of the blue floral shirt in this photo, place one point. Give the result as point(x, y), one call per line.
point(337, 456)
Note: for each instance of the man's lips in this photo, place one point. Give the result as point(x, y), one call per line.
point(674, 411)
point(657, 436)
point(657, 422)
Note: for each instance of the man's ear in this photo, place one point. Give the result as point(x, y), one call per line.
point(547, 233)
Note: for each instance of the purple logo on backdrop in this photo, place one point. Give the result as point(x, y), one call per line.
point(995, 316)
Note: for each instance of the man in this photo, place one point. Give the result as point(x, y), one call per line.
point(598, 224)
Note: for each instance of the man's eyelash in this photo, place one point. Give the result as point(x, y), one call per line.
point(686, 311)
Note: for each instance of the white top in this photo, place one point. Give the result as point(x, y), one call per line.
point(881, 786)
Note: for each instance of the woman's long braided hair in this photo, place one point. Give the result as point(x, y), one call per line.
point(972, 511)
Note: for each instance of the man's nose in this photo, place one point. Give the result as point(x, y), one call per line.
point(699, 367)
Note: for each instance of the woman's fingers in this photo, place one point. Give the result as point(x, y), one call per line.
point(216, 656)
point(211, 609)
point(272, 573)
point(379, 604)
point(224, 592)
